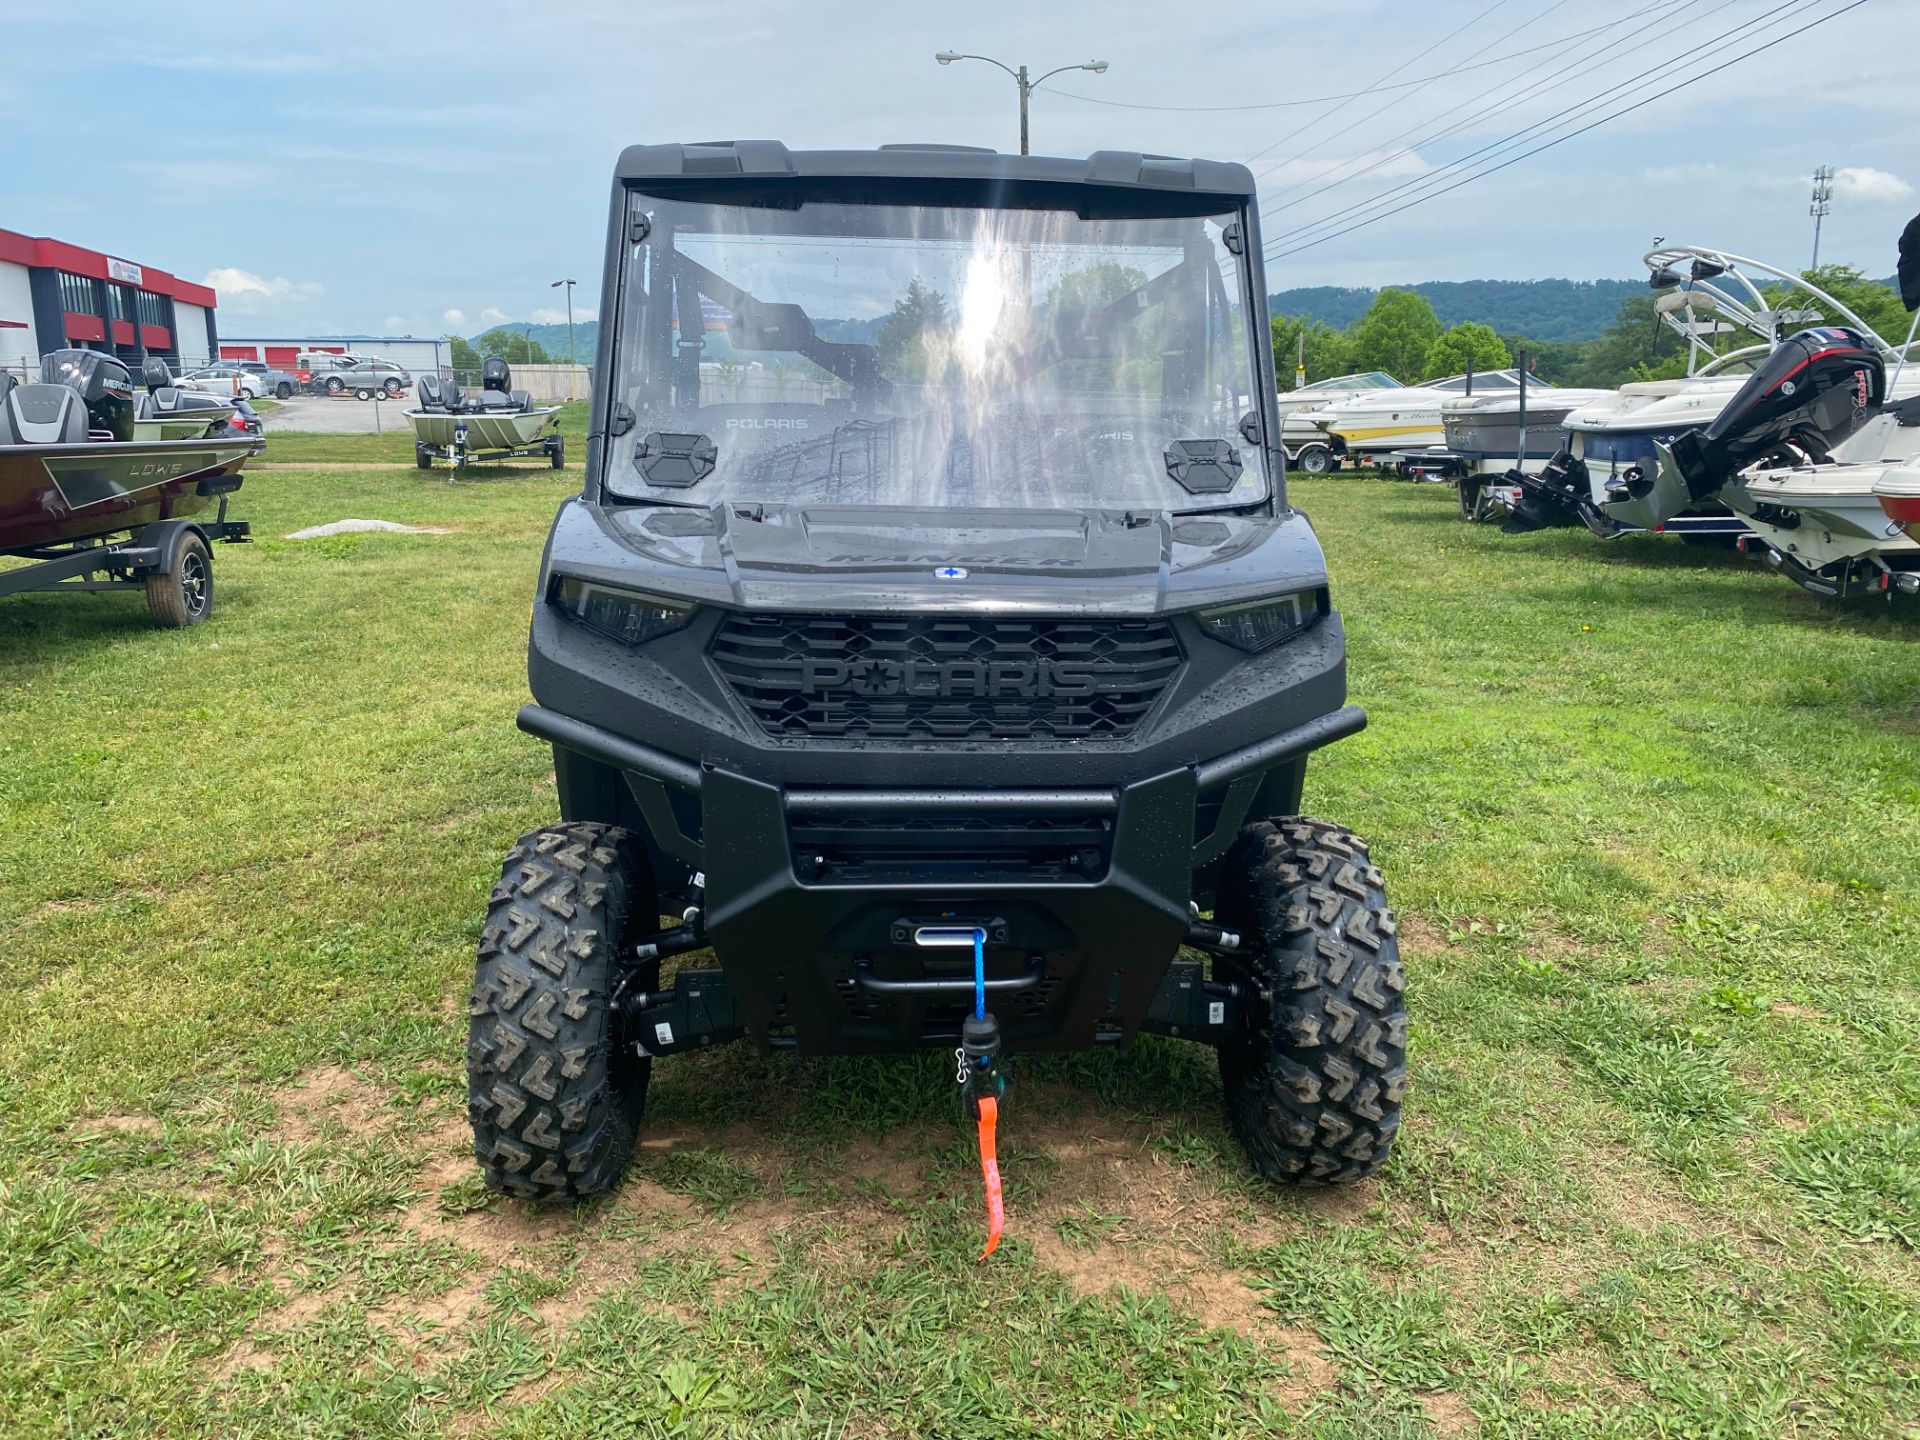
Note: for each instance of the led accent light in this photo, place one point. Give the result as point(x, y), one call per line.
point(1261, 624)
point(624, 615)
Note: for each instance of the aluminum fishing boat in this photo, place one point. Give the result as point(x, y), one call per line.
point(89, 506)
point(500, 423)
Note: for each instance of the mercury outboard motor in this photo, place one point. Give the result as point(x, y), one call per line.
point(1815, 390)
point(494, 375)
point(104, 385)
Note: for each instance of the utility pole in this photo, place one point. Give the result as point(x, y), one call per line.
point(1822, 206)
point(555, 286)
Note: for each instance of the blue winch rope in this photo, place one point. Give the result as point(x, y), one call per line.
point(979, 974)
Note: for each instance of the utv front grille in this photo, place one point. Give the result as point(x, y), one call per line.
point(936, 678)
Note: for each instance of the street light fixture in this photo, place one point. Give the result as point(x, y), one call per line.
point(1027, 87)
point(555, 286)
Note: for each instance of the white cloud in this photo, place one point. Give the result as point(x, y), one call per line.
point(227, 61)
point(1688, 174)
point(491, 316)
point(550, 316)
point(1869, 186)
point(246, 292)
point(453, 317)
point(393, 324)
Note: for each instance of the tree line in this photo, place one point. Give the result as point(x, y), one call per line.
point(1400, 334)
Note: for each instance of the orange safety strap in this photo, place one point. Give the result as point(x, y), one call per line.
point(990, 1168)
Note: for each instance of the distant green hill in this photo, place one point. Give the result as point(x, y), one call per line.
point(1538, 309)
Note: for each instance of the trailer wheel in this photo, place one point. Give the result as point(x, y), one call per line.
point(184, 595)
point(1314, 460)
point(557, 450)
point(363, 393)
point(554, 1090)
point(1314, 1078)
point(421, 459)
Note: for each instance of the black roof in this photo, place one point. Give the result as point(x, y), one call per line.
point(769, 159)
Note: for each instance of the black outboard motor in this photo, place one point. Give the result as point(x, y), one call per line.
point(1557, 497)
point(104, 385)
point(1815, 390)
point(494, 375)
point(155, 375)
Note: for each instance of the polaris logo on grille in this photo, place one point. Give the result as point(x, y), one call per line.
point(950, 679)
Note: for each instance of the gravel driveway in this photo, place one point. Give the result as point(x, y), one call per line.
point(321, 415)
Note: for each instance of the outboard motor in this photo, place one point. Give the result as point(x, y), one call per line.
point(495, 380)
point(432, 396)
point(155, 375)
point(1559, 496)
point(1815, 390)
point(104, 386)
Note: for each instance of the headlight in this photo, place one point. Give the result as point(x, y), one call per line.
point(1262, 624)
point(624, 615)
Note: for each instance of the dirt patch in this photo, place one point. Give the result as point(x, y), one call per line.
point(1449, 1414)
point(328, 1097)
point(248, 1353)
point(102, 1125)
point(1309, 1371)
point(1420, 935)
point(1637, 1198)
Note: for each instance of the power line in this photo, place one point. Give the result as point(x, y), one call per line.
point(1326, 99)
point(1562, 139)
point(1443, 40)
point(1565, 115)
point(1538, 88)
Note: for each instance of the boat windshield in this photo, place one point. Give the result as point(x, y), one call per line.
point(1372, 380)
point(926, 355)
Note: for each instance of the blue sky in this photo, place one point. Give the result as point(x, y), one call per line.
point(431, 168)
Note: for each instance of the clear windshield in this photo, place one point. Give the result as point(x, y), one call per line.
point(868, 354)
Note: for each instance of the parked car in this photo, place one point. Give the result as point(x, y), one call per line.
point(277, 383)
point(365, 378)
point(225, 377)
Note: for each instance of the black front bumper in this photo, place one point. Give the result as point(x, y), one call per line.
point(814, 897)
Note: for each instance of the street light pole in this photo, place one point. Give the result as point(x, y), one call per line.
point(1027, 87)
point(570, 362)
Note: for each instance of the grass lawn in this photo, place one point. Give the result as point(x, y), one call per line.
point(1649, 817)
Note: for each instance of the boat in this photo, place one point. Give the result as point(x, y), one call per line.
point(91, 507)
point(500, 423)
point(1799, 454)
point(1623, 432)
point(1898, 491)
point(165, 411)
point(1371, 427)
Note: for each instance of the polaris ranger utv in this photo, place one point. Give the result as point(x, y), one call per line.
point(933, 637)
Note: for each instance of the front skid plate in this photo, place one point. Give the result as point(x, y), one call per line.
point(789, 946)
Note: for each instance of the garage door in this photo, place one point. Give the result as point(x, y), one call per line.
point(239, 352)
point(282, 357)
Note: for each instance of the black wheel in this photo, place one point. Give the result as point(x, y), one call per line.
point(393, 389)
point(554, 1091)
point(421, 458)
point(557, 451)
point(1314, 1080)
point(1314, 460)
point(335, 385)
point(184, 595)
point(283, 391)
